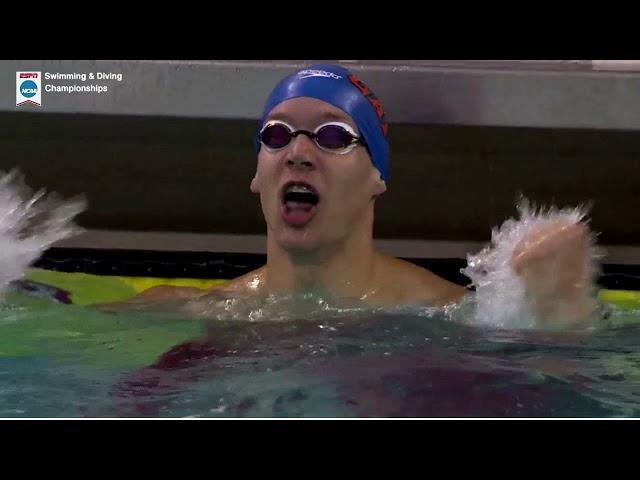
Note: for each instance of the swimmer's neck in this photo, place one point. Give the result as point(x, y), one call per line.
point(346, 269)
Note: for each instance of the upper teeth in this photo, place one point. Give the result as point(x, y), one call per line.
point(299, 189)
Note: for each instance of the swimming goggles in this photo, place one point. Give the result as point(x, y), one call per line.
point(332, 137)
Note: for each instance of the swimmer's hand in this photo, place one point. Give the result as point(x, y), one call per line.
point(553, 262)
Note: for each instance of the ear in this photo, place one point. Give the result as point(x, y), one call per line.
point(255, 184)
point(379, 185)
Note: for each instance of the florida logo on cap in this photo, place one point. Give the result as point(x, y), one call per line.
point(373, 100)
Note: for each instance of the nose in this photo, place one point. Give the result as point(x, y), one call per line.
point(301, 153)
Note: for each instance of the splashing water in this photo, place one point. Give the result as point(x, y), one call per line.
point(500, 292)
point(29, 223)
point(499, 300)
point(308, 306)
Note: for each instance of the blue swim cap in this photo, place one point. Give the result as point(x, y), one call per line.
point(342, 89)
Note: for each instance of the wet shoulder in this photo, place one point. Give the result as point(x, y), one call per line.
point(411, 284)
point(251, 282)
point(244, 284)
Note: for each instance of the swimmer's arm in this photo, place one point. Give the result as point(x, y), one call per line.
point(154, 295)
point(167, 293)
point(553, 265)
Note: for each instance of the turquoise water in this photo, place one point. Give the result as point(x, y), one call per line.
point(69, 361)
point(298, 356)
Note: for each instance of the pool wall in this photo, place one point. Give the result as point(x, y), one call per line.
point(459, 156)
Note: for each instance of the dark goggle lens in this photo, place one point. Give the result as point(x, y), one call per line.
point(276, 136)
point(334, 137)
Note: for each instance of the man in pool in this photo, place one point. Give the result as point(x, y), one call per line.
point(323, 161)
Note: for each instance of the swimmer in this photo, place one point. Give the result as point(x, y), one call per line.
point(322, 163)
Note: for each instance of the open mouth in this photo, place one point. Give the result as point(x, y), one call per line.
point(299, 202)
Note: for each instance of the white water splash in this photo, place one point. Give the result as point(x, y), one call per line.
point(30, 222)
point(500, 292)
point(307, 306)
point(274, 307)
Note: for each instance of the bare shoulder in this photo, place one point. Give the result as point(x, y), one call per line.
point(251, 282)
point(410, 283)
point(169, 293)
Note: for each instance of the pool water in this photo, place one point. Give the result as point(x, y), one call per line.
point(77, 361)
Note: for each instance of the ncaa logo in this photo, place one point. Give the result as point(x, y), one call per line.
point(28, 88)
